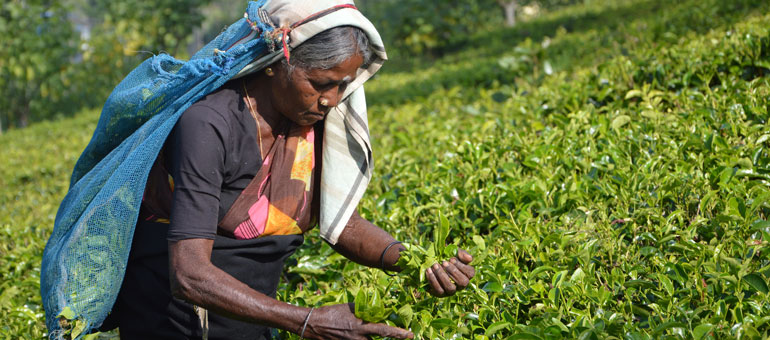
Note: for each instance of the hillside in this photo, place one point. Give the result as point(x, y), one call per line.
point(612, 158)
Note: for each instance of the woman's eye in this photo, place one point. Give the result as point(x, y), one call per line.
point(325, 86)
point(322, 85)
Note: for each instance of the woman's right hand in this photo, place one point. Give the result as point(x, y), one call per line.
point(340, 322)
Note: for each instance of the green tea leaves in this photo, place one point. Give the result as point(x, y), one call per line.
point(756, 282)
point(623, 196)
point(497, 327)
point(67, 314)
point(370, 307)
point(619, 121)
point(440, 233)
point(702, 331)
point(492, 287)
point(666, 283)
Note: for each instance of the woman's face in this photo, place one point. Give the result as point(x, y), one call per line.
point(299, 97)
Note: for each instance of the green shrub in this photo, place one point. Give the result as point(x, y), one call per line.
point(609, 174)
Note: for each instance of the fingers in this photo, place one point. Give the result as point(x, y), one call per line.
point(440, 282)
point(387, 331)
point(339, 322)
point(443, 278)
point(468, 270)
point(464, 256)
point(453, 275)
point(437, 289)
point(449, 277)
point(458, 276)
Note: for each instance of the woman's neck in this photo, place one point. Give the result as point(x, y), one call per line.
point(258, 89)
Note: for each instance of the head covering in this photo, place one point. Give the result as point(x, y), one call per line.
point(85, 258)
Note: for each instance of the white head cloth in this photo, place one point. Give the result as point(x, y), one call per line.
point(347, 153)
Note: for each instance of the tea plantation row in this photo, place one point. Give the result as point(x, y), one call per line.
point(617, 174)
point(606, 164)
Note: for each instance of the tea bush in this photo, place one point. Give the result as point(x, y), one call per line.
point(617, 188)
point(607, 165)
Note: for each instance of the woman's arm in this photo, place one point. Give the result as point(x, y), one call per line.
point(195, 279)
point(364, 242)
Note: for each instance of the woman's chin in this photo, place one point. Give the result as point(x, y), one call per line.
point(308, 118)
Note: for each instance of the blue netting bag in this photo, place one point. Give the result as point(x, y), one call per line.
point(85, 258)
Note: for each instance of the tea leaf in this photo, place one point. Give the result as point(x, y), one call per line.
point(666, 283)
point(619, 121)
point(492, 287)
point(702, 331)
point(756, 282)
point(497, 327)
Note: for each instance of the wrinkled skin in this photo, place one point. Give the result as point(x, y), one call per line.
point(451, 276)
point(299, 96)
point(195, 279)
point(339, 322)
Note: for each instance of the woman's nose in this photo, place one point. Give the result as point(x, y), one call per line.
point(333, 96)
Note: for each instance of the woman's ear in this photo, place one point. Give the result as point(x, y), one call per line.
point(283, 76)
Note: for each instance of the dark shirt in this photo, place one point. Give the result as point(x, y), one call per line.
point(212, 154)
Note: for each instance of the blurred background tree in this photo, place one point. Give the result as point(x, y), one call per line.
point(118, 35)
point(62, 56)
point(59, 57)
point(141, 25)
point(429, 27)
point(37, 51)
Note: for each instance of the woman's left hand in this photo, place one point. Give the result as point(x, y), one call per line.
point(451, 276)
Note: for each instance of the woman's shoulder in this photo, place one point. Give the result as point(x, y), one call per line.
point(218, 108)
point(222, 101)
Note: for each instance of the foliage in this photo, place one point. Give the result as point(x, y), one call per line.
point(37, 162)
point(408, 30)
point(156, 26)
point(124, 33)
point(47, 71)
point(37, 50)
point(591, 172)
point(607, 165)
point(436, 27)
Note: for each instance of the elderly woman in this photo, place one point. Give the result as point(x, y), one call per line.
point(239, 181)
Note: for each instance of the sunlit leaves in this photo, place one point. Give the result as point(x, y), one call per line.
point(624, 195)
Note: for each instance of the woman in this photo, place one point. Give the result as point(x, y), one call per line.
point(240, 180)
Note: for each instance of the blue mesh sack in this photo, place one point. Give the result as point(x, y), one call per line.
point(85, 258)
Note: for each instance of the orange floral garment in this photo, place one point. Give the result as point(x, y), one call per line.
point(277, 201)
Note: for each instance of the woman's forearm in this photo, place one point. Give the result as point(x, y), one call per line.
point(194, 279)
point(363, 242)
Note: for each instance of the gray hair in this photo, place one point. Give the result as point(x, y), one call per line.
point(329, 48)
